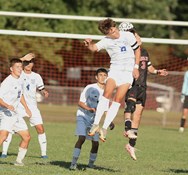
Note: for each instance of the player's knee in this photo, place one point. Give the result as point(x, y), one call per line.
point(27, 138)
point(131, 105)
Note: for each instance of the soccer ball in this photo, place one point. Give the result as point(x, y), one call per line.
point(125, 26)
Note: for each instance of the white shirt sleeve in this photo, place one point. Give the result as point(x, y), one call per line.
point(4, 89)
point(40, 83)
point(101, 44)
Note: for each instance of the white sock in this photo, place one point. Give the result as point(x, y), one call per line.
point(6, 144)
point(111, 114)
point(101, 108)
point(92, 158)
point(43, 143)
point(76, 154)
point(21, 154)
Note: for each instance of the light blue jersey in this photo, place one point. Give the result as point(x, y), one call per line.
point(185, 84)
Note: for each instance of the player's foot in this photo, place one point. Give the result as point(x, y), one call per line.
point(91, 165)
point(102, 134)
point(131, 151)
point(19, 163)
point(93, 130)
point(130, 134)
point(181, 129)
point(73, 167)
point(44, 157)
point(3, 156)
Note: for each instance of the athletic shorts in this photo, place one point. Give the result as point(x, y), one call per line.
point(36, 117)
point(121, 76)
point(13, 123)
point(138, 93)
point(185, 104)
point(83, 127)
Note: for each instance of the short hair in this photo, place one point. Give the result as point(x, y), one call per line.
point(14, 61)
point(105, 25)
point(101, 70)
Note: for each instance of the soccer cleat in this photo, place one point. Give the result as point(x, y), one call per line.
point(91, 165)
point(19, 163)
point(131, 151)
point(93, 130)
point(130, 134)
point(181, 129)
point(3, 156)
point(102, 134)
point(73, 167)
point(44, 157)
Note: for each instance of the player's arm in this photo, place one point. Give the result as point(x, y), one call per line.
point(23, 102)
point(161, 72)
point(90, 45)
point(84, 106)
point(3, 104)
point(41, 88)
point(137, 60)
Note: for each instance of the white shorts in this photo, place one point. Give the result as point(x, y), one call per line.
point(13, 123)
point(121, 76)
point(83, 127)
point(36, 117)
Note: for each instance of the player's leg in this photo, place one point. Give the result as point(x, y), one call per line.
point(113, 110)
point(185, 113)
point(25, 135)
point(42, 140)
point(3, 136)
point(103, 105)
point(6, 144)
point(93, 153)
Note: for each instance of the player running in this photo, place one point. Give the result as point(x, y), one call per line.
point(31, 82)
point(136, 96)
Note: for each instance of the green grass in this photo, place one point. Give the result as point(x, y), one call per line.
point(161, 150)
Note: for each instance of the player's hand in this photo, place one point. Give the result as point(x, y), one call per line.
point(87, 42)
point(136, 73)
point(182, 98)
point(45, 93)
point(92, 110)
point(28, 112)
point(163, 72)
point(112, 126)
point(10, 107)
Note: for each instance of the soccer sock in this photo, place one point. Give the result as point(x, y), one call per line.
point(6, 144)
point(76, 155)
point(111, 114)
point(182, 122)
point(92, 158)
point(43, 143)
point(101, 108)
point(128, 124)
point(132, 142)
point(21, 154)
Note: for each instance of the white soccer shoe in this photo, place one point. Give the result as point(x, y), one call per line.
point(181, 129)
point(130, 134)
point(93, 130)
point(19, 163)
point(102, 134)
point(73, 167)
point(131, 151)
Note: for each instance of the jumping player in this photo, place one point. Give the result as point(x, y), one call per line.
point(136, 96)
point(11, 94)
point(32, 82)
point(124, 53)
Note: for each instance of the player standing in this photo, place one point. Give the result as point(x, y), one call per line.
point(31, 82)
point(124, 53)
point(88, 102)
point(11, 94)
point(136, 96)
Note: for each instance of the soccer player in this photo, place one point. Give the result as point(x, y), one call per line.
point(124, 53)
point(184, 100)
point(11, 94)
point(31, 83)
point(88, 102)
point(136, 96)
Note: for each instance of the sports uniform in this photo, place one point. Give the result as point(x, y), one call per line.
point(90, 96)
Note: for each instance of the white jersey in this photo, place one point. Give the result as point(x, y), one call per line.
point(11, 91)
point(32, 82)
point(91, 95)
point(120, 50)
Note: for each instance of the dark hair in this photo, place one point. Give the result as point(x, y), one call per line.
point(105, 25)
point(14, 61)
point(101, 70)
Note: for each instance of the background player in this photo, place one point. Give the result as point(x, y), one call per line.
point(124, 53)
point(32, 83)
point(88, 102)
point(136, 96)
point(184, 100)
point(10, 96)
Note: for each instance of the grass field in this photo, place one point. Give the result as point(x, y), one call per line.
point(161, 150)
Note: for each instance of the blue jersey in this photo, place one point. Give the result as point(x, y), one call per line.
point(185, 84)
